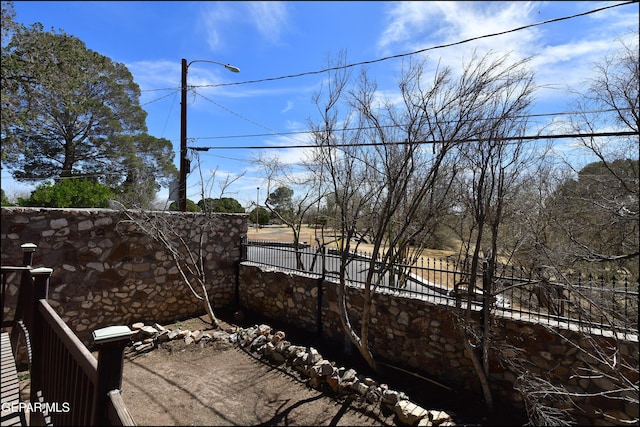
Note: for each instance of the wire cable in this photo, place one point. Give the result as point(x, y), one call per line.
point(302, 132)
point(401, 55)
point(374, 144)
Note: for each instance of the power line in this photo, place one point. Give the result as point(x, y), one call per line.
point(401, 55)
point(302, 132)
point(174, 90)
point(162, 97)
point(307, 73)
point(288, 134)
point(274, 132)
point(374, 144)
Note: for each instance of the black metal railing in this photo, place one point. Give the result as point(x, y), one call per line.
point(578, 301)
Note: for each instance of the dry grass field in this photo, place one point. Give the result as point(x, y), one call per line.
point(307, 234)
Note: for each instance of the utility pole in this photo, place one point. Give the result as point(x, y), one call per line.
point(184, 163)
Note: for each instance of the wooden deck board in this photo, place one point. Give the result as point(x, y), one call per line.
point(10, 390)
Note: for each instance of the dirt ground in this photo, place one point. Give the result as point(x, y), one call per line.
point(223, 385)
point(284, 234)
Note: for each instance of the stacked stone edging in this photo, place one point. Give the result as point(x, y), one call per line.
point(107, 271)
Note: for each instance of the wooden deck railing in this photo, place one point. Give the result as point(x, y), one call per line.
point(68, 385)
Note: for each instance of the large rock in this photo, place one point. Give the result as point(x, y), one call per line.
point(277, 337)
point(258, 342)
point(136, 326)
point(264, 330)
point(322, 369)
point(149, 331)
point(311, 357)
point(163, 336)
point(439, 418)
point(196, 335)
point(409, 413)
point(221, 335)
point(391, 397)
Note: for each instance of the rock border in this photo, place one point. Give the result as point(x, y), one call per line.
point(316, 371)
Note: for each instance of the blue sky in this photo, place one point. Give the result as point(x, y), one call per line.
point(268, 40)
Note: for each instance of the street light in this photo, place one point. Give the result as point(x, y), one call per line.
point(184, 162)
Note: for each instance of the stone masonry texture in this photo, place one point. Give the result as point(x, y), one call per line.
point(107, 270)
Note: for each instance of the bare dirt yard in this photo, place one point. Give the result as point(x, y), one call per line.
point(220, 384)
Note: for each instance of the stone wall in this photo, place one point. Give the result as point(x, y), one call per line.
point(108, 271)
point(415, 334)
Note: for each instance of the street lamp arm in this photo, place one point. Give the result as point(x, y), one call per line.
point(229, 67)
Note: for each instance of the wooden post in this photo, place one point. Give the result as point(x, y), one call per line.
point(110, 342)
point(40, 290)
point(27, 253)
point(24, 302)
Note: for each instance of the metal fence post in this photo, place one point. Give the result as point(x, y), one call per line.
point(243, 248)
point(320, 283)
point(486, 297)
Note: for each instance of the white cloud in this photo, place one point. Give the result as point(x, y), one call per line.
point(559, 62)
point(269, 17)
point(424, 24)
point(287, 107)
point(214, 17)
point(155, 74)
point(290, 156)
point(569, 63)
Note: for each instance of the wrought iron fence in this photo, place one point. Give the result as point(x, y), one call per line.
point(576, 301)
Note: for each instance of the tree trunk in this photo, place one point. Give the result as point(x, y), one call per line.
point(207, 305)
point(477, 365)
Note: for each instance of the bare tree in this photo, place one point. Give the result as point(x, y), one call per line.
point(610, 100)
point(188, 249)
point(587, 220)
point(307, 184)
point(390, 168)
point(499, 93)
